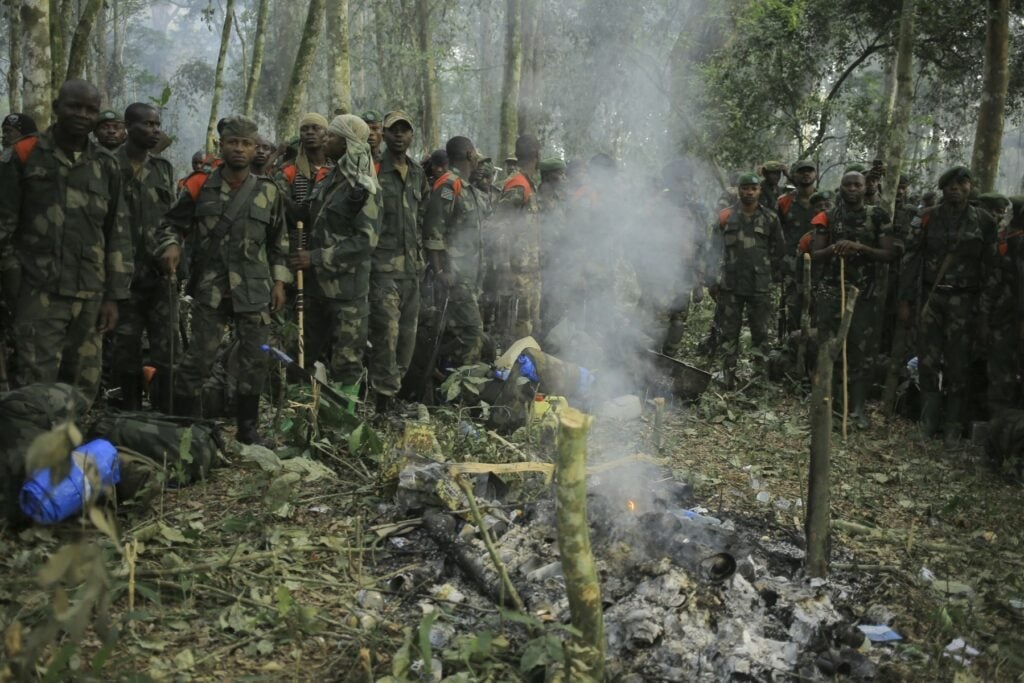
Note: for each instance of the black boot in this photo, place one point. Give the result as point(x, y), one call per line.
point(248, 418)
point(131, 391)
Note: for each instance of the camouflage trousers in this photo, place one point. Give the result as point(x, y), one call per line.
point(336, 332)
point(394, 314)
point(860, 338)
point(944, 341)
point(1005, 361)
point(148, 311)
point(526, 293)
point(55, 339)
point(464, 328)
point(208, 324)
point(759, 315)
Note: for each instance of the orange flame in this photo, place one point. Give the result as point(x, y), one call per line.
point(631, 505)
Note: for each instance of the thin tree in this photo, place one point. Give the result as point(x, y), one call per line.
point(529, 80)
point(989, 135)
point(508, 123)
point(60, 24)
point(218, 76)
point(256, 69)
point(428, 77)
point(14, 50)
point(288, 115)
point(485, 136)
point(37, 95)
point(79, 52)
point(339, 66)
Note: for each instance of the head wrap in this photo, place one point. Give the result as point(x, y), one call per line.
point(357, 164)
point(301, 160)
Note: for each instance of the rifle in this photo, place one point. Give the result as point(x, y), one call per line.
point(428, 371)
point(280, 356)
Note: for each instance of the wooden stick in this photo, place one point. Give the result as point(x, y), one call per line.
point(842, 312)
point(805, 319)
point(300, 305)
point(578, 565)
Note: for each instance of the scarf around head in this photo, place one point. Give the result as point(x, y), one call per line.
point(357, 164)
point(301, 160)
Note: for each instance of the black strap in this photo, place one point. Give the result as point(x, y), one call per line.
point(233, 209)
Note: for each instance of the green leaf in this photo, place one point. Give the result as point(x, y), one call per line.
point(541, 651)
point(426, 623)
point(284, 601)
point(185, 446)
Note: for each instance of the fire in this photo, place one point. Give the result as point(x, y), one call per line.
point(631, 505)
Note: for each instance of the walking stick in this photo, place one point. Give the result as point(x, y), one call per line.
point(300, 306)
point(842, 308)
point(172, 296)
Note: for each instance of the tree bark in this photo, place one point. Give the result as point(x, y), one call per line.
point(80, 42)
point(218, 76)
point(37, 95)
point(816, 524)
point(339, 65)
point(988, 137)
point(899, 125)
point(60, 23)
point(428, 77)
point(527, 115)
point(14, 54)
point(288, 115)
point(256, 69)
point(509, 117)
point(485, 137)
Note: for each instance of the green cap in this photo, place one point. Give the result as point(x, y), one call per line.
point(802, 164)
point(239, 127)
point(772, 166)
point(954, 174)
point(373, 116)
point(109, 115)
point(748, 179)
point(551, 164)
point(854, 168)
point(393, 117)
point(822, 196)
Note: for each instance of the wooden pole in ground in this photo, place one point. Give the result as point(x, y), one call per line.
point(842, 311)
point(578, 565)
point(816, 524)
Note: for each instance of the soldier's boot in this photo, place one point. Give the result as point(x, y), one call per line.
point(248, 416)
point(952, 428)
point(131, 390)
point(858, 396)
point(350, 391)
point(931, 411)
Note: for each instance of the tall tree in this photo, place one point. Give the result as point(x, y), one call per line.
point(339, 68)
point(428, 77)
point(529, 81)
point(486, 138)
point(60, 24)
point(79, 51)
point(288, 115)
point(509, 118)
point(989, 135)
point(256, 69)
point(218, 76)
point(899, 124)
point(35, 25)
point(14, 53)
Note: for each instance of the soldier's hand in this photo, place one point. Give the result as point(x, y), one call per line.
point(171, 258)
point(108, 317)
point(904, 312)
point(300, 260)
point(845, 248)
point(277, 296)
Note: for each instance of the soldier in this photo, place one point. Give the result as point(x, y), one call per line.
point(345, 215)
point(149, 191)
point(110, 131)
point(771, 187)
point(397, 262)
point(262, 163)
point(17, 125)
point(750, 246)
point(452, 239)
point(298, 178)
point(949, 259)
point(62, 213)
point(483, 180)
point(375, 122)
point(435, 165)
point(860, 236)
point(238, 271)
point(795, 213)
point(1004, 357)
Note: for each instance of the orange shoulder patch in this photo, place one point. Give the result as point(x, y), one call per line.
point(194, 183)
point(23, 147)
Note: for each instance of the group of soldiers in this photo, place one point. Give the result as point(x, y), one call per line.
point(411, 268)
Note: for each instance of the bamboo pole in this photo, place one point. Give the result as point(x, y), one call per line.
point(578, 565)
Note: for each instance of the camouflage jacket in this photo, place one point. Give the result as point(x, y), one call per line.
point(345, 221)
point(795, 217)
point(453, 224)
point(867, 226)
point(967, 236)
point(518, 209)
point(149, 193)
point(65, 219)
point(1007, 291)
point(750, 250)
point(769, 197)
point(297, 189)
point(399, 247)
point(253, 252)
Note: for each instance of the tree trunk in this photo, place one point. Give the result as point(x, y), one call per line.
point(256, 69)
point(60, 23)
point(428, 77)
point(385, 88)
point(80, 42)
point(989, 135)
point(526, 116)
point(14, 53)
point(339, 65)
point(218, 76)
point(35, 30)
point(509, 117)
point(485, 138)
point(114, 66)
point(899, 125)
point(98, 65)
point(288, 115)
point(816, 524)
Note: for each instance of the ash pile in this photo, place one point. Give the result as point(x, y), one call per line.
point(686, 596)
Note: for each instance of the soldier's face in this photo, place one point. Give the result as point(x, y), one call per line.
point(335, 145)
point(144, 132)
point(398, 137)
point(806, 176)
point(772, 177)
point(237, 152)
point(749, 194)
point(852, 188)
point(312, 136)
point(263, 151)
point(956, 191)
point(77, 111)
point(111, 134)
point(376, 132)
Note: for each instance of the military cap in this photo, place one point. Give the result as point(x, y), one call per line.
point(23, 123)
point(239, 127)
point(772, 166)
point(954, 174)
point(855, 168)
point(109, 115)
point(372, 116)
point(748, 179)
point(803, 163)
point(551, 164)
point(393, 117)
point(822, 196)
point(512, 159)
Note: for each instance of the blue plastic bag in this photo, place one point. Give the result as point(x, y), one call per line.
point(49, 503)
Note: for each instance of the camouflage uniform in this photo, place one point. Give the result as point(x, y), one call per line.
point(395, 275)
point(750, 250)
point(519, 214)
point(950, 307)
point(453, 225)
point(345, 222)
point(149, 192)
point(795, 214)
point(235, 282)
point(66, 221)
point(1005, 357)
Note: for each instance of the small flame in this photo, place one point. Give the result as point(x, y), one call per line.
point(631, 505)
